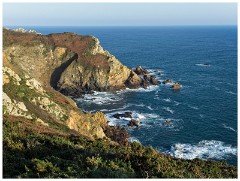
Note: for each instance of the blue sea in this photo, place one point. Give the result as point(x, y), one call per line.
point(203, 113)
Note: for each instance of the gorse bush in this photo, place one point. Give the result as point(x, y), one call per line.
point(27, 154)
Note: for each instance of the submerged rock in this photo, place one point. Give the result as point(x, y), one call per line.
point(133, 122)
point(124, 115)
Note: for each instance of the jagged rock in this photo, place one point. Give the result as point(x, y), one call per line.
point(145, 84)
point(34, 84)
point(124, 115)
point(133, 81)
point(9, 72)
point(80, 123)
point(176, 86)
point(146, 77)
point(133, 122)
point(153, 80)
point(140, 71)
point(14, 108)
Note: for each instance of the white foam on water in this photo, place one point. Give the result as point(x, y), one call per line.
point(143, 118)
point(201, 115)
point(133, 139)
point(150, 108)
point(177, 103)
point(148, 89)
point(168, 109)
point(175, 124)
point(230, 92)
point(116, 109)
point(100, 98)
point(167, 100)
point(228, 127)
point(205, 149)
point(193, 107)
point(202, 65)
point(137, 105)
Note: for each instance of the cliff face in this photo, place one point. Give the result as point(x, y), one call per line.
point(35, 66)
point(70, 63)
point(32, 63)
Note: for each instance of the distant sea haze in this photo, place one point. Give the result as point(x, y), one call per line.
point(203, 114)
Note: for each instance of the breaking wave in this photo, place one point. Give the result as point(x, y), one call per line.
point(206, 149)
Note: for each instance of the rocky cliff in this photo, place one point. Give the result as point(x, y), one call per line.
point(36, 67)
point(68, 62)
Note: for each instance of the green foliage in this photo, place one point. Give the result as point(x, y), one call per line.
point(21, 93)
point(30, 155)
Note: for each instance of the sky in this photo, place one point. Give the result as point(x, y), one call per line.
point(119, 14)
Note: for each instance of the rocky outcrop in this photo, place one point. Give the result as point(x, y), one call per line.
point(123, 115)
point(133, 122)
point(14, 108)
point(70, 63)
point(140, 71)
point(25, 97)
point(176, 86)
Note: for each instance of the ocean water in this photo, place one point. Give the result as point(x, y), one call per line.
point(203, 113)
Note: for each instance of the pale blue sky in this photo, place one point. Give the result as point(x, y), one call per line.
point(118, 14)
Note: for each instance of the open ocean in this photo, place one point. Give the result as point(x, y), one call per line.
point(203, 113)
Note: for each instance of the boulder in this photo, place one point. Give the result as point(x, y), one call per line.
point(176, 86)
point(154, 81)
point(124, 115)
point(146, 77)
point(140, 71)
point(133, 81)
point(145, 84)
point(133, 122)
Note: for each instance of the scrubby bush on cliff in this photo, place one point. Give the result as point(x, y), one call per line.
point(27, 154)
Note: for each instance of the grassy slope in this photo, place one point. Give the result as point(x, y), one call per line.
point(47, 153)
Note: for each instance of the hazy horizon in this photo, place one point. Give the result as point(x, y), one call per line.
point(119, 14)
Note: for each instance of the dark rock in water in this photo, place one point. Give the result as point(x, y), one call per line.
point(133, 122)
point(133, 81)
point(124, 115)
point(140, 71)
point(176, 86)
point(154, 81)
point(167, 122)
point(145, 84)
point(146, 77)
point(168, 81)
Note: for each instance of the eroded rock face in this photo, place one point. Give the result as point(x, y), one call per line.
point(70, 63)
point(14, 108)
point(26, 97)
point(90, 128)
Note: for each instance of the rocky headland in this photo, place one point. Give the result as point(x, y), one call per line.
point(45, 134)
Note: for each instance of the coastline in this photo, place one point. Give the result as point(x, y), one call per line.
point(116, 130)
